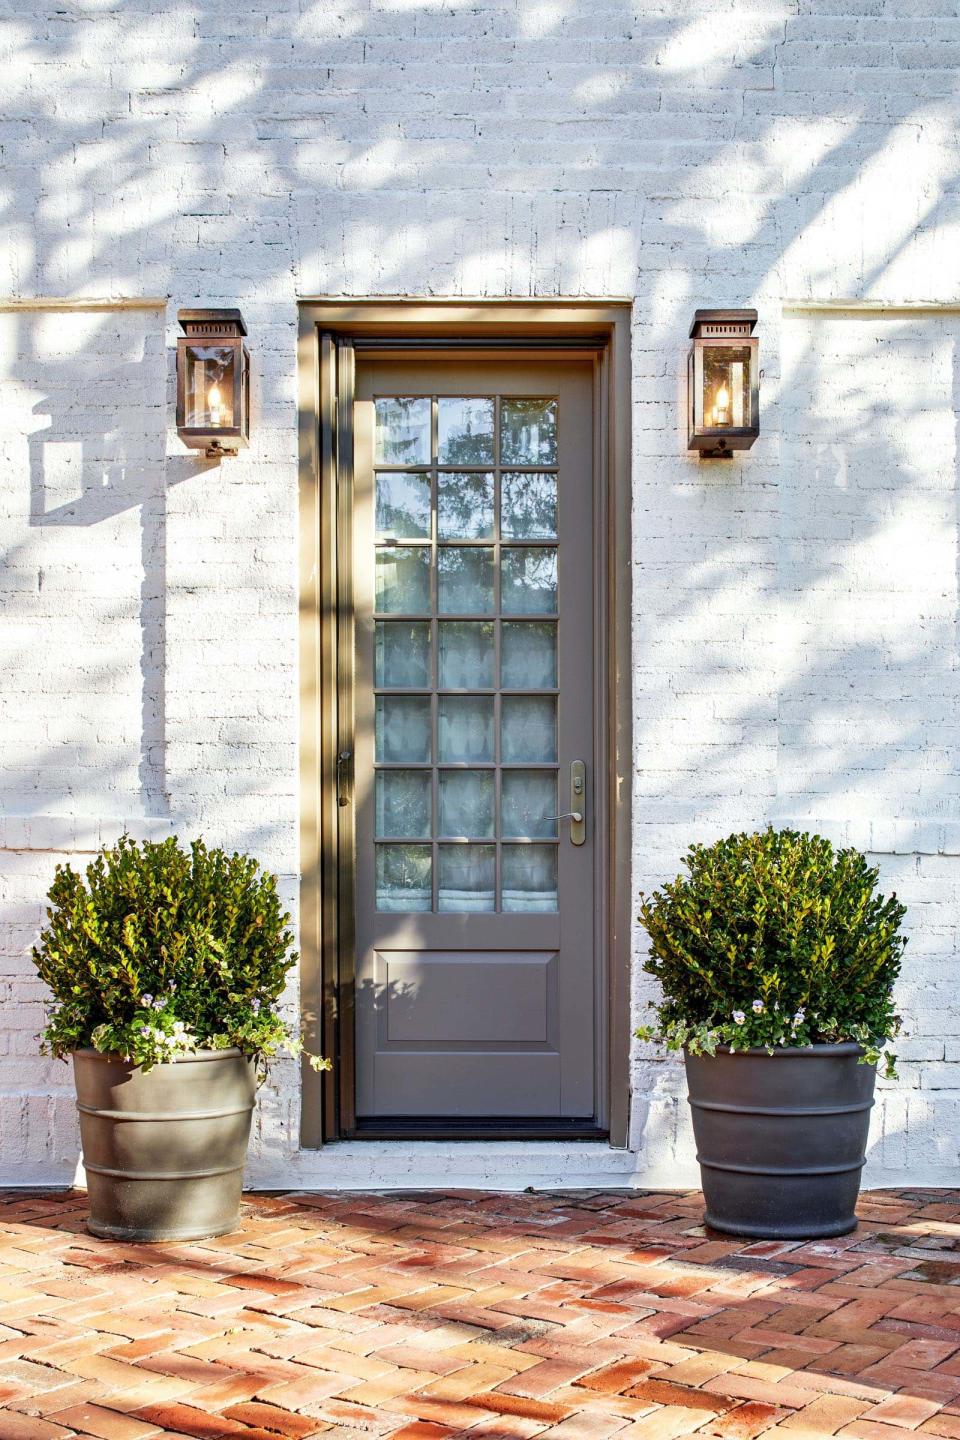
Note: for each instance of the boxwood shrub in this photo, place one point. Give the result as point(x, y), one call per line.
point(774, 939)
point(158, 951)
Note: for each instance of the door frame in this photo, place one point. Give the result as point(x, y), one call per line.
point(329, 332)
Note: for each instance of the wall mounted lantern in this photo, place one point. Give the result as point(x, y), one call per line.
point(213, 381)
point(723, 382)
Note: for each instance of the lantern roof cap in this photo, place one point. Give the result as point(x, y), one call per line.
point(741, 322)
point(206, 322)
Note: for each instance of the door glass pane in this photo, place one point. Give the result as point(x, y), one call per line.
point(485, 566)
point(528, 803)
point(468, 878)
point(465, 506)
point(403, 430)
point(403, 728)
point(528, 658)
point(465, 580)
point(402, 658)
point(528, 507)
point(529, 580)
point(403, 804)
point(466, 803)
point(465, 728)
point(404, 877)
point(403, 580)
point(528, 432)
point(466, 655)
point(466, 430)
point(529, 878)
point(528, 729)
point(403, 506)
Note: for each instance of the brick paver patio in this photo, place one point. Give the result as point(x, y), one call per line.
point(574, 1316)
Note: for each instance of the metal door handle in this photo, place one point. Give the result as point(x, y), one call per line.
point(343, 760)
point(575, 815)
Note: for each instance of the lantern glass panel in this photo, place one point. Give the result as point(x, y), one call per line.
point(210, 387)
point(726, 387)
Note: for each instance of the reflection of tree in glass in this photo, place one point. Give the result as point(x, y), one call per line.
point(465, 507)
point(465, 580)
point(466, 803)
point(529, 655)
point(403, 728)
point(466, 655)
point(403, 580)
point(466, 728)
point(528, 432)
point(466, 431)
point(404, 877)
point(528, 801)
point(468, 877)
point(403, 430)
point(529, 728)
point(403, 505)
point(530, 580)
point(528, 507)
point(403, 804)
point(402, 653)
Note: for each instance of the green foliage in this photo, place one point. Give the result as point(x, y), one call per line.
point(774, 939)
point(161, 952)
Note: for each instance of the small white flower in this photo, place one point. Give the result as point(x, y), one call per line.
point(146, 1000)
point(757, 1007)
point(738, 1017)
point(800, 1016)
point(158, 1004)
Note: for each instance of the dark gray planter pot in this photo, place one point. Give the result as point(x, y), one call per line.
point(164, 1148)
point(781, 1138)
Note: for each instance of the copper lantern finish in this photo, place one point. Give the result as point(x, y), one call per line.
point(723, 382)
point(213, 381)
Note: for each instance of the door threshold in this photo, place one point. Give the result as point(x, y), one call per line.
point(428, 1127)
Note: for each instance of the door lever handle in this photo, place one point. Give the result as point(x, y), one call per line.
point(575, 815)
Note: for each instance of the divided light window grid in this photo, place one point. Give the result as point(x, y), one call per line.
point(465, 665)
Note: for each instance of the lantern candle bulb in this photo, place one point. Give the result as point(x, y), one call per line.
point(215, 403)
point(721, 407)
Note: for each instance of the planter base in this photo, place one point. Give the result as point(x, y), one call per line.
point(154, 1236)
point(758, 1231)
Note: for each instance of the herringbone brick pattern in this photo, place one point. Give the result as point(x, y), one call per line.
point(575, 1316)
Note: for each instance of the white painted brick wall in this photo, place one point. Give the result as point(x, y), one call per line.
point(795, 611)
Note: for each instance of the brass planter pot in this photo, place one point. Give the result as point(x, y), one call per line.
point(164, 1149)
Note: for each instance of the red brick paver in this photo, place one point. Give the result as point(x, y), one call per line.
point(573, 1316)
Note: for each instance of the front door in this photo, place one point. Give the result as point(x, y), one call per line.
point(473, 601)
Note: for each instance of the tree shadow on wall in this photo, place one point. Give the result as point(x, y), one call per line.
point(90, 465)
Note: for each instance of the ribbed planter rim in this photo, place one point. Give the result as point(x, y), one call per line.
point(194, 1058)
point(802, 1052)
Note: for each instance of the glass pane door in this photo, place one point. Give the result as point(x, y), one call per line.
point(466, 618)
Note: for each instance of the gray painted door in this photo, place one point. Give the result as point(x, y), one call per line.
point(476, 965)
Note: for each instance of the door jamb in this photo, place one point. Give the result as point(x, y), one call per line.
point(325, 352)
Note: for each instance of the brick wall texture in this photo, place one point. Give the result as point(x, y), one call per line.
point(795, 626)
